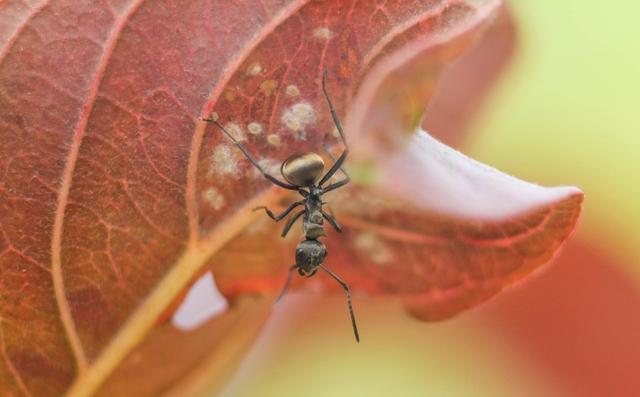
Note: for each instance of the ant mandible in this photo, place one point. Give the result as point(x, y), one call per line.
point(303, 172)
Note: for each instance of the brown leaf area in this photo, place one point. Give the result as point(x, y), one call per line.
point(112, 195)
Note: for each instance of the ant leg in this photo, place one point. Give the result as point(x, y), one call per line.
point(330, 210)
point(278, 218)
point(290, 223)
point(346, 289)
point(338, 184)
point(332, 221)
point(330, 217)
point(335, 167)
point(286, 284)
point(250, 157)
point(337, 164)
point(325, 146)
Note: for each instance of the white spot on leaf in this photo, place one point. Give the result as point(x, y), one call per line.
point(224, 161)
point(230, 95)
point(323, 33)
point(254, 69)
point(236, 131)
point(371, 245)
point(268, 87)
point(292, 90)
point(270, 166)
point(214, 198)
point(273, 140)
point(299, 116)
point(255, 128)
point(258, 226)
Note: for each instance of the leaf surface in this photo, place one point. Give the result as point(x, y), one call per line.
point(113, 196)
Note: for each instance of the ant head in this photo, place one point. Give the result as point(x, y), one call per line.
point(310, 255)
point(303, 169)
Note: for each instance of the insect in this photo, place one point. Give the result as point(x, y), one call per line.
point(303, 172)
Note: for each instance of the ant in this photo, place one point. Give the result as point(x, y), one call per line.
point(304, 174)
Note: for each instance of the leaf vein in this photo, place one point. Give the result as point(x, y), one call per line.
point(65, 187)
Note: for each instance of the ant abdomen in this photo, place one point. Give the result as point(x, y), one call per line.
point(310, 254)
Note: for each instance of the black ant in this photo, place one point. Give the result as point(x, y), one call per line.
point(304, 174)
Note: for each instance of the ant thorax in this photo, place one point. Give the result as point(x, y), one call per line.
point(315, 191)
point(313, 222)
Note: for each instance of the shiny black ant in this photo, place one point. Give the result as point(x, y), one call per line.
point(304, 174)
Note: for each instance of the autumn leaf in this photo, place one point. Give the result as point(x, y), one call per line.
point(113, 196)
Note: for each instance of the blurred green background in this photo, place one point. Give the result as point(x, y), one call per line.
point(565, 112)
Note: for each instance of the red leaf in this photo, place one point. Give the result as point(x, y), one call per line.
point(113, 196)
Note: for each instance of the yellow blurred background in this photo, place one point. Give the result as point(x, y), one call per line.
point(565, 112)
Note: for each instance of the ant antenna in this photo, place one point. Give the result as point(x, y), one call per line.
point(346, 289)
point(334, 116)
point(234, 140)
point(249, 156)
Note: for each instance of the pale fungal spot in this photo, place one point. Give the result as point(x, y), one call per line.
point(267, 87)
point(362, 202)
point(270, 166)
point(299, 116)
point(230, 96)
point(381, 256)
point(224, 161)
point(292, 90)
point(259, 226)
point(254, 69)
point(273, 140)
point(370, 244)
point(323, 33)
point(236, 131)
point(214, 116)
point(255, 128)
point(335, 132)
point(293, 124)
point(214, 198)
